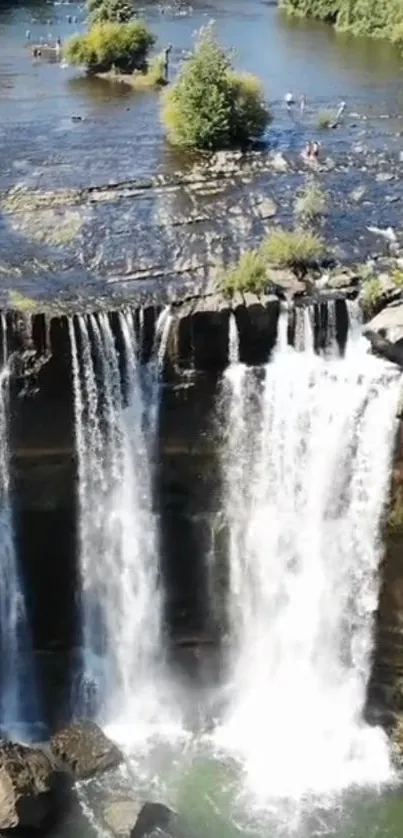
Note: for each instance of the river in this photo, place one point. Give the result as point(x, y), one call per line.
point(86, 241)
point(117, 138)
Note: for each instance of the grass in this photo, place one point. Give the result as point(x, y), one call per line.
point(47, 226)
point(21, 302)
point(326, 119)
point(250, 274)
point(311, 203)
point(371, 293)
point(295, 249)
point(154, 76)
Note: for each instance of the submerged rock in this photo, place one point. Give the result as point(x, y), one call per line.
point(157, 821)
point(31, 788)
point(83, 748)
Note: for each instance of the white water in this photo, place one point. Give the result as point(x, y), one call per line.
point(18, 701)
point(121, 600)
point(305, 479)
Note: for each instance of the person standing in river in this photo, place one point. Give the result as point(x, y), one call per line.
point(167, 52)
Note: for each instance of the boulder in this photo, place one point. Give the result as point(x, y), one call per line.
point(157, 821)
point(120, 816)
point(31, 788)
point(83, 748)
point(385, 348)
point(388, 323)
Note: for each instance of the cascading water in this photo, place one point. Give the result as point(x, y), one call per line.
point(121, 600)
point(18, 704)
point(305, 467)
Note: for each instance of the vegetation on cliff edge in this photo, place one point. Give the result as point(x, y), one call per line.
point(210, 106)
point(293, 249)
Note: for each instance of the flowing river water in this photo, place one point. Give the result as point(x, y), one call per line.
point(116, 138)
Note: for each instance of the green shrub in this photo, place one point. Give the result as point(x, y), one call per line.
point(310, 203)
point(107, 45)
point(109, 11)
point(250, 274)
point(326, 119)
point(296, 249)
point(361, 17)
point(210, 106)
point(371, 293)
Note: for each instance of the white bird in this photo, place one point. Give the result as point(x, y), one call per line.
point(340, 110)
point(388, 233)
point(289, 99)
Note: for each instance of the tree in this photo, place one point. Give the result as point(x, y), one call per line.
point(210, 106)
point(121, 45)
point(109, 11)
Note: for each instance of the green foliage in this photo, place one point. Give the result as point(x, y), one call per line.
point(250, 274)
point(107, 45)
point(109, 11)
point(326, 119)
point(311, 202)
point(21, 302)
point(371, 293)
point(362, 17)
point(296, 249)
point(210, 106)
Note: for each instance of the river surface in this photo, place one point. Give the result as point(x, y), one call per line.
point(170, 229)
point(117, 236)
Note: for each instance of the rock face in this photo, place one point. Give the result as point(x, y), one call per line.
point(389, 323)
point(83, 748)
point(30, 788)
point(157, 821)
point(386, 687)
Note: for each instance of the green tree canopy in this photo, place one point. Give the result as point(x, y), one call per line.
point(210, 106)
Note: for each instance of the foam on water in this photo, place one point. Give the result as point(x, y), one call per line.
point(123, 655)
point(305, 478)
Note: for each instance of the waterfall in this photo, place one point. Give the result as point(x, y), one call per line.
point(120, 598)
point(305, 466)
point(18, 704)
point(304, 338)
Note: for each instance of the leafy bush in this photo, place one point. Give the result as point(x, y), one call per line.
point(107, 45)
point(362, 17)
point(250, 274)
point(107, 11)
point(326, 119)
point(311, 202)
point(210, 106)
point(371, 293)
point(296, 249)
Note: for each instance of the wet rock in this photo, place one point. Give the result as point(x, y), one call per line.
point(385, 348)
point(383, 177)
point(357, 194)
point(266, 208)
point(388, 323)
point(342, 279)
point(31, 788)
point(397, 741)
point(157, 821)
point(120, 816)
point(84, 749)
